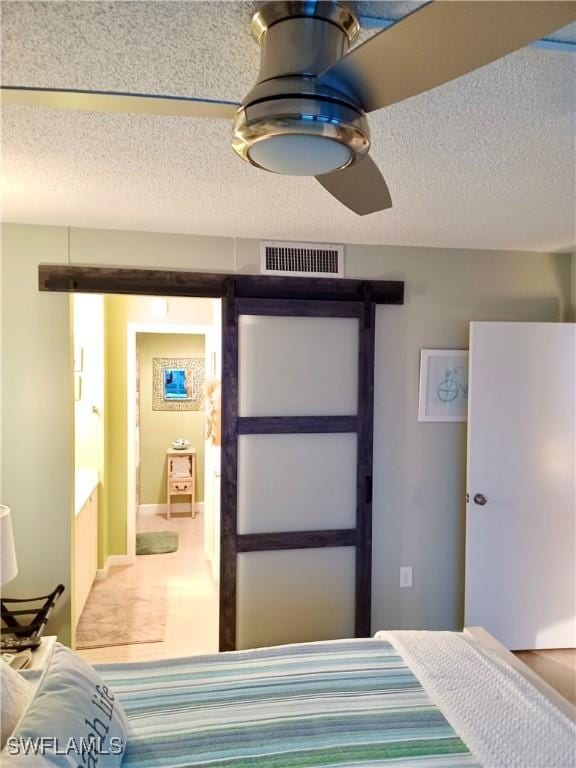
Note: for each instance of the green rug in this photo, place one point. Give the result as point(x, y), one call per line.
point(156, 542)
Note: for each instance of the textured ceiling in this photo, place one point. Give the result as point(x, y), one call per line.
point(484, 162)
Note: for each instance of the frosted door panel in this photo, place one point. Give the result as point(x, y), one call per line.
point(297, 366)
point(296, 482)
point(294, 596)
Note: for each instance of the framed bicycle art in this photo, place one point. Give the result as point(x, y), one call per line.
point(443, 385)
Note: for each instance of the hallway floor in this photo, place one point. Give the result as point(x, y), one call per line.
point(192, 596)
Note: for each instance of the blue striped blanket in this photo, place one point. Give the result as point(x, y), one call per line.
point(338, 703)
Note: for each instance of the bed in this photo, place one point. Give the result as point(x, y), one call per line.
point(420, 699)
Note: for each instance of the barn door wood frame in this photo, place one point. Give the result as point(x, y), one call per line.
point(271, 296)
point(233, 425)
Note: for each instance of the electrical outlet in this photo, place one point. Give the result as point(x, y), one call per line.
point(406, 576)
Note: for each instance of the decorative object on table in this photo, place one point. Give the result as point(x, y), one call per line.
point(178, 383)
point(20, 660)
point(213, 410)
point(180, 476)
point(122, 617)
point(180, 444)
point(156, 542)
point(443, 385)
point(39, 657)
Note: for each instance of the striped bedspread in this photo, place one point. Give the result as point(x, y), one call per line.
point(338, 703)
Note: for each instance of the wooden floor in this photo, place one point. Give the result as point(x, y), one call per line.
point(557, 668)
point(192, 596)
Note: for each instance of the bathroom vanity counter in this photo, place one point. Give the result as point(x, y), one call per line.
point(86, 483)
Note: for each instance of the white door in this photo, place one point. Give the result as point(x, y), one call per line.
point(520, 532)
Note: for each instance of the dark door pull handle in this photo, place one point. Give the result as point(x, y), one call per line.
point(368, 489)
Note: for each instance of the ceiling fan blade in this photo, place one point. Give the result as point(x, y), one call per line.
point(360, 187)
point(111, 101)
point(439, 42)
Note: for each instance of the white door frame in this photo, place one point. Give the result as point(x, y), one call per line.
point(131, 330)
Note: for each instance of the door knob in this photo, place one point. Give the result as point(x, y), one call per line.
point(480, 499)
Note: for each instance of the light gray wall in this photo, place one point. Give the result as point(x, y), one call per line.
point(419, 468)
point(574, 287)
point(37, 417)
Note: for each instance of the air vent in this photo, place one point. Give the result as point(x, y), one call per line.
point(302, 259)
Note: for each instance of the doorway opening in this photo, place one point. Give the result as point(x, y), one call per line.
point(147, 453)
point(245, 297)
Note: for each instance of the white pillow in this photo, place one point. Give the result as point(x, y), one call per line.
point(74, 715)
point(15, 695)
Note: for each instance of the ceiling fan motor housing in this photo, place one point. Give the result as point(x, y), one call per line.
point(291, 122)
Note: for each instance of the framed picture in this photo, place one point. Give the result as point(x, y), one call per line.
point(178, 383)
point(443, 385)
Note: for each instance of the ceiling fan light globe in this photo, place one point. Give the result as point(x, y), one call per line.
point(300, 154)
point(300, 136)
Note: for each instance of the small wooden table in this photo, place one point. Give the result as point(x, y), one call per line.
point(180, 476)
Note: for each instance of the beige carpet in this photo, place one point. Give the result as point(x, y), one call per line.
point(122, 617)
point(191, 595)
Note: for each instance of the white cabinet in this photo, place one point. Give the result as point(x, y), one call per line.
point(86, 551)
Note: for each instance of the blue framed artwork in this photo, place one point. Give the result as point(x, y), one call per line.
point(178, 384)
point(443, 385)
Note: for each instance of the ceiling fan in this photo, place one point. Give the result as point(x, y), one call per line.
point(306, 115)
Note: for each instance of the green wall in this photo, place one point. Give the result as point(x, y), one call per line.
point(119, 311)
point(90, 417)
point(159, 428)
point(114, 527)
point(37, 431)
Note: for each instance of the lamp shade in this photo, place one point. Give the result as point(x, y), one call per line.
point(8, 565)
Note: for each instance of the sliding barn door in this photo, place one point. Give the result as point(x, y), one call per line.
point(296, 471)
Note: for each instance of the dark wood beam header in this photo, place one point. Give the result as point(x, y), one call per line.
point(299, 308)
point(265, 542)
point(291, 425)
point(162, 282)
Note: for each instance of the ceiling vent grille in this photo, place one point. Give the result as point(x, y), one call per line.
point(301, 259)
